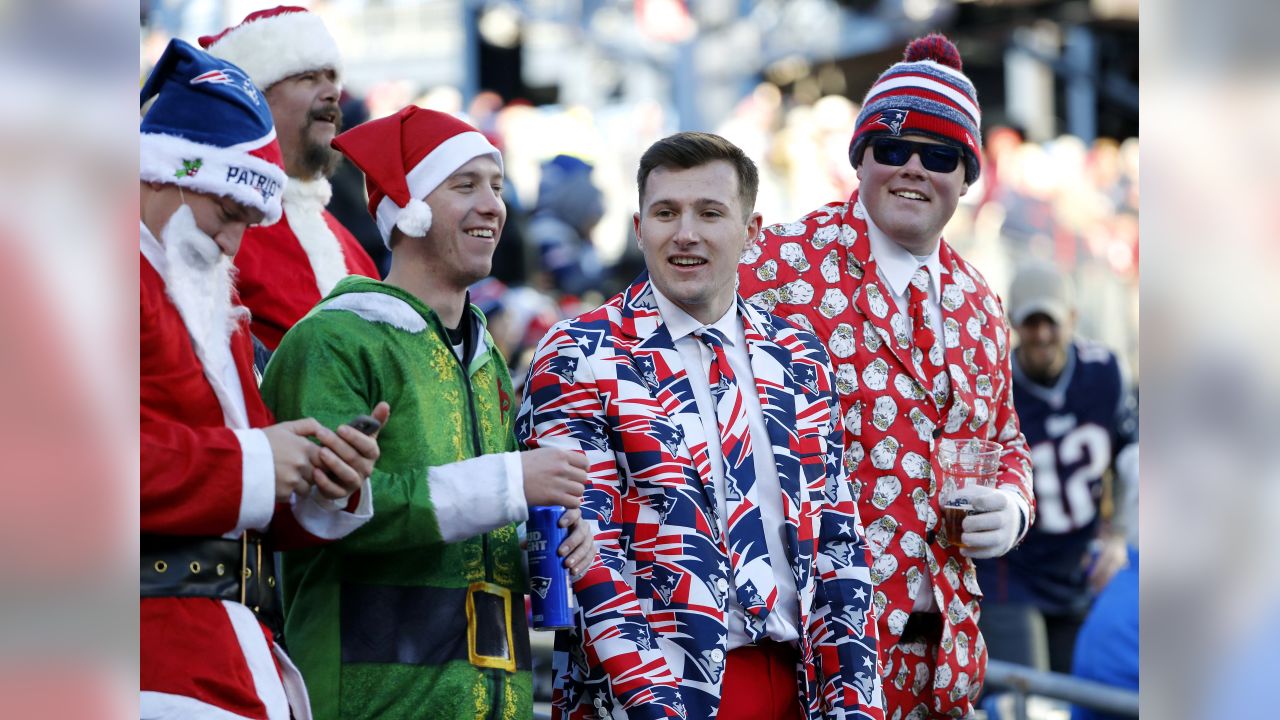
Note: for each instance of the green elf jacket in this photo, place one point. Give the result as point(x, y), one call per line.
point(378, 622)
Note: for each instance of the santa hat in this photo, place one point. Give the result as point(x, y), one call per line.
point(404, 157)
point(273, 44)
point(210, 130)
point(928, 94)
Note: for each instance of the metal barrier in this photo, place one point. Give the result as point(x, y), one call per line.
point(1022, 681)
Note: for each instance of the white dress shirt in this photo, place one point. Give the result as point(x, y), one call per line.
point(784, 621)
point(895, 266)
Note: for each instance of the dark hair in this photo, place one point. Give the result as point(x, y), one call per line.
point(687, 150)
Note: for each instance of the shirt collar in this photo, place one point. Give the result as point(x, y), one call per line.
point(897, 264)
point(680, 323)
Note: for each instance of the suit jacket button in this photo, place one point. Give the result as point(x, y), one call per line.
point(717, 655)
point(930, 536)
point(937, 433)
point(722, 584)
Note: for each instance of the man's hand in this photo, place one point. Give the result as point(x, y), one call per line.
point(300, 463)
point(295, 456)
point(578, 550)
point(553, 476)
point(1112, 558)
point(347, 456)
point(992, 528)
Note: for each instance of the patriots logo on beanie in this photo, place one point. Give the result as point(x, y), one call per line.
point(893, 119)
point(925, 94)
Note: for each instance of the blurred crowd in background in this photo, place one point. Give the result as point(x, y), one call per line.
point(569, 244)
point(570, 166)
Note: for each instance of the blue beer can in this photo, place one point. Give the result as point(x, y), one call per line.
point(552, 595)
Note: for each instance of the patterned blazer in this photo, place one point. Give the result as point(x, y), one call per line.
point(819, 273)
point(651, 639)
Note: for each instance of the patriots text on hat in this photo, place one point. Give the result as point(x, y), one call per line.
point(209, 131)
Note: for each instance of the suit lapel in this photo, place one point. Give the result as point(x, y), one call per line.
point(780, 389)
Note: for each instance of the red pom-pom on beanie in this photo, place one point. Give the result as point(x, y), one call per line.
point(933, 47)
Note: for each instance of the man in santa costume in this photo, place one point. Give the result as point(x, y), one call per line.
point(421, 612)
point(921, 352)
point(286, 268)
point(221, 486)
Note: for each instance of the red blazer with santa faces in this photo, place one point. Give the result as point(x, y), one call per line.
point(818, 272)
point(285, 268)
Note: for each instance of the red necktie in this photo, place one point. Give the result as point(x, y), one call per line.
point(917, 308)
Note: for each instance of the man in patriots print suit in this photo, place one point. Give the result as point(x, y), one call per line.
point(921, 351)
point(732, 577)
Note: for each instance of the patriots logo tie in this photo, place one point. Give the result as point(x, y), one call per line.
point(919, 310)
point(748, 554)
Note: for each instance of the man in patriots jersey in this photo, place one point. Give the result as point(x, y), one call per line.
point(1081, 422)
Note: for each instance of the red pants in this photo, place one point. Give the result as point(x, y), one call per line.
point(760, 683)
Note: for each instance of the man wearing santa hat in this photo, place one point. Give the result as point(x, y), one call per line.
point(421, 613)
point(285, 269)
point(220, 486)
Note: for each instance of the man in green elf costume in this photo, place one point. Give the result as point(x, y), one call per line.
point(421, 612)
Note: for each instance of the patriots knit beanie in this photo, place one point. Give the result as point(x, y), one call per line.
point(926, 94)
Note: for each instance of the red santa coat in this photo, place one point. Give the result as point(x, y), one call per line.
point(204, 475)
point(818, 272)
point(286, 268)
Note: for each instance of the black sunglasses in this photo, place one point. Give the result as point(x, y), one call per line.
point(896, 152)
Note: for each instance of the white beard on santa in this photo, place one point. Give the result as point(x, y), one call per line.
point(199, 281)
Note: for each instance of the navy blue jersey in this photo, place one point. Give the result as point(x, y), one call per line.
point(1075, 429)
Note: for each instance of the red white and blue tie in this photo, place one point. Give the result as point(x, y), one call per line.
point(748, 554)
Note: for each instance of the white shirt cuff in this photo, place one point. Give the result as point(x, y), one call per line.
point(1023, 509)
point(474, 496)
point(328, 518)
point(257, 481)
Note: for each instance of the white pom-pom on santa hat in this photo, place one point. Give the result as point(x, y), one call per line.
point(414, 219)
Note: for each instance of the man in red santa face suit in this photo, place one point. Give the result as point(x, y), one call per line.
point(286, 268)
point(921, 354)
point(221, 487)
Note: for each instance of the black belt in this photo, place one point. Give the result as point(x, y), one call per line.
point(241, 571)
point(922, 627)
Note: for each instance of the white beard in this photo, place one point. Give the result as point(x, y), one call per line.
point(199, 280)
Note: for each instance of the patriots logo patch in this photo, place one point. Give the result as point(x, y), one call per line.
point(636, 634)
point(540, 585)
point(720, 388)
point(221, 77)
point(564, 366)
point(893, 119)
point(648, 372)
point(671, 437)
point(597, 439)
point(808, 378)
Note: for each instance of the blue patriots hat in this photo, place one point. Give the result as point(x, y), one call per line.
point(927, 94)
point(210, 130)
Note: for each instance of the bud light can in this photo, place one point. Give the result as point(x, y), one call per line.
point(552, 595)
